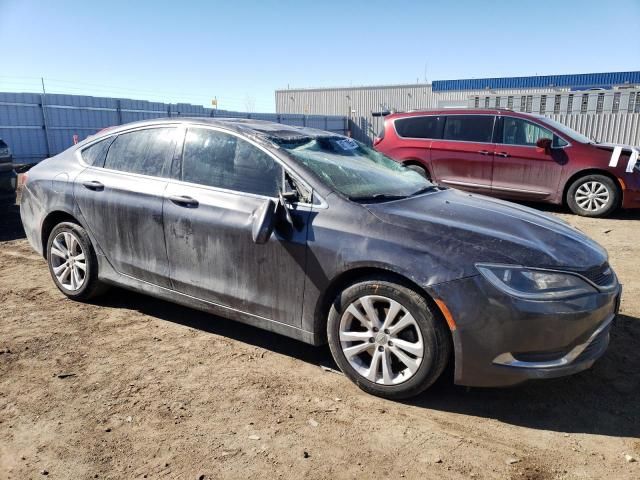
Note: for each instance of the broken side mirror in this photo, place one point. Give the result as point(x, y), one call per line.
point(263, 222)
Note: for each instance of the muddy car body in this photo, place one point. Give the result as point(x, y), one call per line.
point(312, 235)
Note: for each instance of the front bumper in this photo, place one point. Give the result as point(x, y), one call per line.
point(500, 340)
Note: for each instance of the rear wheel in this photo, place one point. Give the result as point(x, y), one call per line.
point(72, 262)
point(593, 196)
point(386, 339)
point(419, 169)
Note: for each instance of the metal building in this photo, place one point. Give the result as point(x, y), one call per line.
point(605, 106)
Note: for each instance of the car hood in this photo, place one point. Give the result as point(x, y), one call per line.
point(473, 228)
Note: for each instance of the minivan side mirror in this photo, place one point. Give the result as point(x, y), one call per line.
point(543, 145)
point(263, 222)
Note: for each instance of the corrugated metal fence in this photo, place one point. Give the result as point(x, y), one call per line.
point(604, 127)
point(37, 126)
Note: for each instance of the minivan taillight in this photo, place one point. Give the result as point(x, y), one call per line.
point(377, 139)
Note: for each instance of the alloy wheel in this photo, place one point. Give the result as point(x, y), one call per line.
point(381, 340)
point(68, 261)
point(592, 196)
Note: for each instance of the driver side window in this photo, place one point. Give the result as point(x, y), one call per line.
point(520, 132)
point(219, 159)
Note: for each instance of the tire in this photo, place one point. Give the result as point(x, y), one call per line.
point(593, 196)
point(427, 329)
point(419, 169)
point(67, 242)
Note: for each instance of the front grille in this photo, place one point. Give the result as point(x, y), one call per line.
point(602, 275)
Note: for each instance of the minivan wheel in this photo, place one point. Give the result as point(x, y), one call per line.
point(72, 262)
point(386, 339)
point(593, 196)
point(421, 170)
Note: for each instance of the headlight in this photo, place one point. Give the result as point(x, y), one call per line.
point(534, 284)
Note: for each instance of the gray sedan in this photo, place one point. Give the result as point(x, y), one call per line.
point(315, 236)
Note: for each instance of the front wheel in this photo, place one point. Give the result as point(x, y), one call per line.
point(72, 262)
point(593, 196)
point(387, 339)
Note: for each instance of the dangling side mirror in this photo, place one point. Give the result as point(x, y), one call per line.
point(263, 222)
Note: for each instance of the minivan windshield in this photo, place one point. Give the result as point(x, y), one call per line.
point(569, 132)
point(355, 170)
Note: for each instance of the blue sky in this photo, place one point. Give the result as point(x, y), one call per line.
point(241, 51)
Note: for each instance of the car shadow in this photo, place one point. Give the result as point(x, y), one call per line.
point(601, 401)
point(10, 223)
point(214, 324)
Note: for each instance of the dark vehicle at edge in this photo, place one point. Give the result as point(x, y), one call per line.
point(312, 235)
point(8, 177)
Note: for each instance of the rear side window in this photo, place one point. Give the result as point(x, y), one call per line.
point(517, 131)
point(218, 159)
point(96, 153)
point(469, 128)
point(147, 152)
point(420, 127)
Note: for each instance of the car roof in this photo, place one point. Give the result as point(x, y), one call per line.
point(462, 111)
point(261, 128)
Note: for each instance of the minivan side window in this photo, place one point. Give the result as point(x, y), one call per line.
point(219, 159)
point(147, 152)
point(96, 153)
point(469, 128)
point(517, 131)
point(420, 127)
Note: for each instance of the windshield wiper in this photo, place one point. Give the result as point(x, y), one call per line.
point(378, 197)
point(423, 190)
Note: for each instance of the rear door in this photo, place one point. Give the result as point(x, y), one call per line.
point(120, 196)
point(521, 170)
point(463, 158)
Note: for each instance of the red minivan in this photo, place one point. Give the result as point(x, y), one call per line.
point(515, 156)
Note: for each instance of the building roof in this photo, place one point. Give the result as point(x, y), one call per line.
point(577, 81)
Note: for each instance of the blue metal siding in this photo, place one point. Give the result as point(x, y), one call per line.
point(587, 80)
point(32, 138)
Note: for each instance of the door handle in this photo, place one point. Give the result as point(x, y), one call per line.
point(483, 152)
point(184, 201)
point(502, 154)
point(93, 185)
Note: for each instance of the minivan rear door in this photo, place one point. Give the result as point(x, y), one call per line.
point(463, 158)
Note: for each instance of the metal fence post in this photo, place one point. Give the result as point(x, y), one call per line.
point(304, 120)
point(119, 111)
point(44, 118)
point(326, 122)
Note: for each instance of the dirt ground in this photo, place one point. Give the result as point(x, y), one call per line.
point(132, 387)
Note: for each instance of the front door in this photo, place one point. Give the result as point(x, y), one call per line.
point(463, 158)
point(521, 170)
point(121, 197)
point(208, 217)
